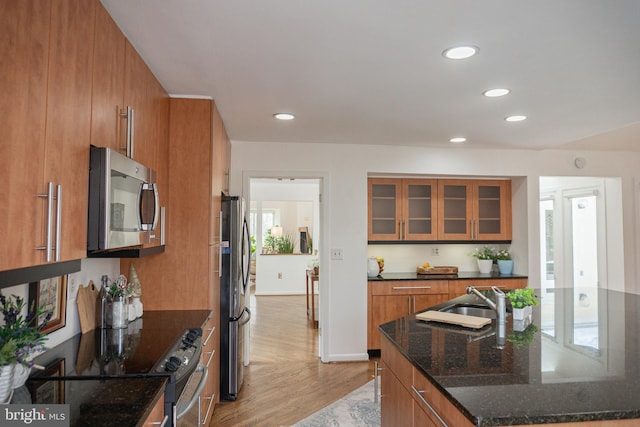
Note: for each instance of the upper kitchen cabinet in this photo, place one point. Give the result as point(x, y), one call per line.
point(45, 78)
point(402, 209)
point(129, 107)
point(474, 210)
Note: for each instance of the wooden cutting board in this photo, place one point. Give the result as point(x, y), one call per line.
point(86, 301)
point(443, 269)
point(474, 322)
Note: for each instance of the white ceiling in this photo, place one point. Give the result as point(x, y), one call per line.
point(372, 71)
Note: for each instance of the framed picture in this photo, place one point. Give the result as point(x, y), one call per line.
point(52, 295)
point(43, 390)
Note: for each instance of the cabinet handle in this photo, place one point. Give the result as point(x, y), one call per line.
point(161, 423)
point(58, 247)
point(423, 400)
point(130, 134)
point(220, 245)
point(206, 340)
point(47, 247)
point(399, 288)
point(211, 353)
point(206, 415)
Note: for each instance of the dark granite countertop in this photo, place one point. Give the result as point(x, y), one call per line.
point(581, 364)
point(105, 402)
point(104, 373)
point(462, 275)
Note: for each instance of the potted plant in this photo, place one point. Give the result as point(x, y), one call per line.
point(484, 258)
point(20, 337)
point(505, 263)
point(522, 302)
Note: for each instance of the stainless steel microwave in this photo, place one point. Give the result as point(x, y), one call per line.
point(123, 201)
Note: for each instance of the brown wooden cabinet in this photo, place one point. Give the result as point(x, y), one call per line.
point(474, 210)
point(459, 287)
point(46, 104)
point(188, 269)
point(402, 209)
point(438, 210)
point(415, 401)
point(390, 300)
point(156, 417)
point(210, 359)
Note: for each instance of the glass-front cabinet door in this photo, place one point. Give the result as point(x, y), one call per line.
point(455, 209)
point(419, 207)
point(474, 210)
point(385, 209)
point(402, 209)
point(492, 210)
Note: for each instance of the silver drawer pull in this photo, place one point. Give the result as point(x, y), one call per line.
point(399, 288)
point(161, 423)
point(423, 400)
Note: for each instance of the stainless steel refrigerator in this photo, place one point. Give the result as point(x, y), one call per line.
point(234, 279)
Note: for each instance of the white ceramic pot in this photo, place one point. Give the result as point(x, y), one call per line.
point(373, 269)
point(485, 265)
point(20, 375)
point(6, 382)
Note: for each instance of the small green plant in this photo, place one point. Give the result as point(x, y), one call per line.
point(521, 298)
point(286, 244)
point(484, 253)
point(502, 255)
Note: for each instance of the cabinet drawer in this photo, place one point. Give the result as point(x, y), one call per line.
point(437, 405)
point(459, 287)
point(410, 287)
point(397, 363)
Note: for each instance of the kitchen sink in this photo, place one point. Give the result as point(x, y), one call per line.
point(470, 310)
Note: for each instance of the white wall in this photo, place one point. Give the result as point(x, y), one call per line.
point(281, 274)
point(344, 169)
point(91, 269)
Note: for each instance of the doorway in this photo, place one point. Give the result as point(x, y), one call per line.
point(580, 249)
point(285, 226)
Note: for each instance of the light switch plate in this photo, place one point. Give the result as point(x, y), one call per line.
point(336, 253)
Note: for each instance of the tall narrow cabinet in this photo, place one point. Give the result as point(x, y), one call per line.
point(188, 270)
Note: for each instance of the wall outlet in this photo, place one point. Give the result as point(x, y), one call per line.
point(336, 253)
point(279, 275)
point(435, 251)
point(73, 288)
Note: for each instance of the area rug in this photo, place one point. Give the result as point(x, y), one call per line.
point(360, 408)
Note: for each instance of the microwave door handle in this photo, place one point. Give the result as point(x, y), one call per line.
point(148, 187)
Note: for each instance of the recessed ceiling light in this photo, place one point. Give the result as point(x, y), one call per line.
point(460, 52)
point(458, 140)
point(516, 118)
point(493, 93)
point(284, 116)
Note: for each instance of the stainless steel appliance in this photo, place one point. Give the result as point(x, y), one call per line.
point(123, 201)
point(189, 378)
point(235, 261)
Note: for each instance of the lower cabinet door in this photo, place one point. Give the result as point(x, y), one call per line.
point(396, 402)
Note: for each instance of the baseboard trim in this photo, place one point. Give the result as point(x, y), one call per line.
point(347, 357)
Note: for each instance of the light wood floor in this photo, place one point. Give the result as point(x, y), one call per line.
point(285, 381)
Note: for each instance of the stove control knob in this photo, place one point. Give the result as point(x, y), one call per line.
point(172, 364)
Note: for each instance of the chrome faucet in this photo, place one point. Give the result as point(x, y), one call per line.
point(500, 307)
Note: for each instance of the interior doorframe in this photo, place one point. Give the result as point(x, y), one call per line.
point(324, 283)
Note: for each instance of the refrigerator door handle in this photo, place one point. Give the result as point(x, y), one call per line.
point(245, 321)
point(240, 319)
point(246, 250)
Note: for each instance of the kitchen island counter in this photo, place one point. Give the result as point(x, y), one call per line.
point(578, 362)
